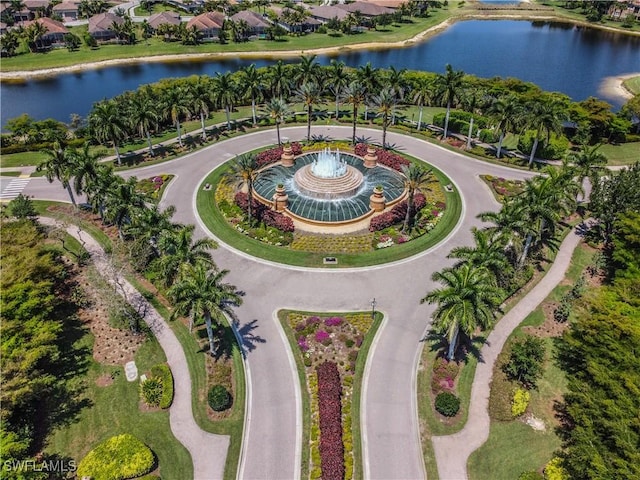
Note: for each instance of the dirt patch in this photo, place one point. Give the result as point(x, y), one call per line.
point(104, 380)
point(549, 328)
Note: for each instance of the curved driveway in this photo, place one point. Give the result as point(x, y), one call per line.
point(271, 447)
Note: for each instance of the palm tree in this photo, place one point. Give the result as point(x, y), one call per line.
point(107, 124)
point(368, 78)
point(309, 94)
point(85, 168)
point(505, 111)
point(354, 96)
point(98, 190)
point(416, 178)
point(200, 95)
point(339, 79)
point(151, 223)
point(488, 252)
point(510, 226)
point(244, 171)
point(277, 109)
point(422, 95)
point(143, 114)
point(59, 165)
point(122, 203)
point(278, 77)
point(448, 88)
point(225, 93)
point(397, 82)
point(544, 115)
point(252, 86)
point(465, 302)
point(385, 103)
point(175, 102)
point(201, 293)
point(588, 163)
point(178, 250)
point(307, 70)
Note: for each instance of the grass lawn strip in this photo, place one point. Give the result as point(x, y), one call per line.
point(347, 344)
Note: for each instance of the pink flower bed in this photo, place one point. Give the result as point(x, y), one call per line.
point(330, 415)
point(333, 321)
point(385, 157)
point(396, 214)
point(273, 154)
point(262, 213)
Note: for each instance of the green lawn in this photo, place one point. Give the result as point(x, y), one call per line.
point(621, 154)
point(633, 85)
point(115, 409)
point(21, 159)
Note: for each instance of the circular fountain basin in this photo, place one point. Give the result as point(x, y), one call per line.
point(328, 188)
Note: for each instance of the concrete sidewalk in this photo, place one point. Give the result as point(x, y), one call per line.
point(453, 451)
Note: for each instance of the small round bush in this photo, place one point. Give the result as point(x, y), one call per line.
point(151, 391)
point(447, 404)
point(219, 398)
point(117, 458)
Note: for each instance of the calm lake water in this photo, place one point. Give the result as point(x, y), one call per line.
point(558, 57)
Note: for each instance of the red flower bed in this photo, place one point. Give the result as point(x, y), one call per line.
point(330, 413)
point(385, 157)
point(273, 154)
point(263, 214)
point(397, 214)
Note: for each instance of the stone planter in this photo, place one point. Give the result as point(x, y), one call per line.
point(377, 202)
point(287, 158)
point(280, 199)
point(371, 159)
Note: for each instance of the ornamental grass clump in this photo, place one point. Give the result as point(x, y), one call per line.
point(330, 415)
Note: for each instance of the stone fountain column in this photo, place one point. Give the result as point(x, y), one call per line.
point(280, 199)
point(371, 159)
point(377, 201)
point(287, 158)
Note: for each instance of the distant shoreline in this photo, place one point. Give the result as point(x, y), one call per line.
point(613, 87)
point(22, 75)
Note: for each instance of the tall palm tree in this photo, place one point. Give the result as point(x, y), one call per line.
point(588, 163)
point(178, 250)
point(244, 171)
point(107, 124)
point(309, 94)
point(143, 114)
point(202, 293)
point(488, 252)
point(505, 111)
point(225, 93)
point(277, 109)
point(122, 203)
point(59, 165)
point(307, 70)
point(354, 96)
point(465, 302)
point(175, 103)
point(339, 79)
point(416, 178)
point(422, 95)
point(150, 223)
point(448, 88)
point(544, 116)
point(252, 86)
point(200, 95)
point(385, 103)
point(85, 168)
point(278, 77)
point(98, 190)
point(510, 226)
point(369, 80)
point(397, 82)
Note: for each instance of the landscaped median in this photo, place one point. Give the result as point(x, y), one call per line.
point(330, 351)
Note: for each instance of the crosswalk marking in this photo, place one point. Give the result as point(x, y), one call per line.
point(13, 188)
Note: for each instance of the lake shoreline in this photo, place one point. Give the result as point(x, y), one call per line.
point(24, 75)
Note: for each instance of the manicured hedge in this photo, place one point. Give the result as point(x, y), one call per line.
point(163, 372)
point(447, 404)
point(396, 214)
point(330, 415)
point(219, 398)
point(118, 458)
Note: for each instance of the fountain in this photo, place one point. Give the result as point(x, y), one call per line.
point(328, 176)
point(329, 165)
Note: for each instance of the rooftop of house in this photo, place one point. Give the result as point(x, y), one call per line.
point(157, 19)
point(66, 6)
point(252, 18)
point(52, 26)
point(207, 21)
point(329, 12)
point(103, 21)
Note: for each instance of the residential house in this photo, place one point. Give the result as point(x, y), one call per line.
point(55, 31)
point(324, 13)
point(101, 26)
point(67, 10)
point(208, 24)
point(163, 18)
point(623, 9)
point(366, 9)
point(258, 25)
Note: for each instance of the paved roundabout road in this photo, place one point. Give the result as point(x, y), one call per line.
point(271, 448)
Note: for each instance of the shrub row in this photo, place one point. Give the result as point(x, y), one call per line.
point(273, 154)
point(396, 214)
point(163, 372)
point(117, 458)
point(269, 217)
point(330, 414)
point(385, 157)
point(459, 121)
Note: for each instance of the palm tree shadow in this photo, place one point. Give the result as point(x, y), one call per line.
point(245, 334)
point(468, 347)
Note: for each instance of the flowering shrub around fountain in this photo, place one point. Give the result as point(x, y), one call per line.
point(273, 154)
point(385, 157)
point(397, 214)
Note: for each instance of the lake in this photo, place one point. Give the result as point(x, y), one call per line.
point(558, 57)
